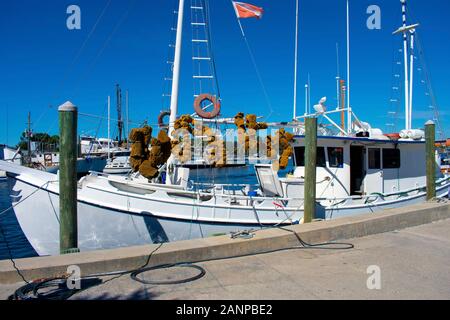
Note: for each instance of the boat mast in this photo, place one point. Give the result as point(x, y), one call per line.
point(349, 110)
point(405, 55)
point(109, 127)
point(119, 113)
point(338, 78)
point(127, 129)
point(296, 60)
point(405, 29)
point(176, 68)
point(411, 81)
point(308, 96)
point(29, 137)
point(309, 93)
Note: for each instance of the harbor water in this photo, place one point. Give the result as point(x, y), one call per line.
point(13, 243)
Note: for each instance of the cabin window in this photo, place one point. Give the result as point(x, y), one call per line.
point(299, 153)
point(374, 158)
point(336, 157)
point(391, 158)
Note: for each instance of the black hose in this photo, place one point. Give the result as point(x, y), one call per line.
point(31, 290)
point(201, 274)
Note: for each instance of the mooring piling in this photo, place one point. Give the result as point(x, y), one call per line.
point(430, 136)
point(68, 118)
point(310, 169)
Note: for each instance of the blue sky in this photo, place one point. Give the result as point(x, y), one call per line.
point(42, 65)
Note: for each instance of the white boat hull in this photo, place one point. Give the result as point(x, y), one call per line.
point(111, 217)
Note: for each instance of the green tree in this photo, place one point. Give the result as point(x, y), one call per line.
point(45, 139)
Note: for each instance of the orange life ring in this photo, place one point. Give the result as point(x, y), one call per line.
point(204, 114)
point(393, 136)
point(161, 118)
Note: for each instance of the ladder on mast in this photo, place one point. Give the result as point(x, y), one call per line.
point(203, 77)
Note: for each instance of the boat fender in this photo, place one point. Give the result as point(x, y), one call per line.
point(204, 114)
point(161, 118)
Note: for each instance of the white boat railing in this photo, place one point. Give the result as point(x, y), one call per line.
point(371, 199)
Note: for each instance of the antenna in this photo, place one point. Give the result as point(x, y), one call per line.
point(409, 76)
point(338, 78)
point(119, 113)
point(349, 110)
point(296, 60)
point(127, 126)
point(29, 134)
point(109, 127)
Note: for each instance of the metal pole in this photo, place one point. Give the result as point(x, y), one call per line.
point(127, 127)
point(405, 56)
point(119, 114)
point(349, 110)
point(309, 94)
point(342, 103)
point(109, 127)
point(306, 99)
point(338, 77)
point(68, 115)
point(310, 169)
point(430, 134)
point(296, 61)
point(29, 138)
point(411, 80)
point(176, 69)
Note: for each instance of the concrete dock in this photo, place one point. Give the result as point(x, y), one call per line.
point(409, 247)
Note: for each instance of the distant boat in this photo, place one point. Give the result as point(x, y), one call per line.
point(120, 164)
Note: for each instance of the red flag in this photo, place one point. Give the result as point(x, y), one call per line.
point(245, 10)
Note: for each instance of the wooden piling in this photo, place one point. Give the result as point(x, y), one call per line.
point(68, 117)
point(310, 169)
point(430, 137)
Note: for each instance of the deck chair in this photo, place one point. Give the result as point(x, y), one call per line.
point(268, 181)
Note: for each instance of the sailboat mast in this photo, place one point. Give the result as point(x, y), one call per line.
point(405, 55)
point(296, 59)
point(338, 78)
point(119, 113)
point(176, 68)
point(127, 129)
point(349, 110)
point(411, 81)
point(109, 127)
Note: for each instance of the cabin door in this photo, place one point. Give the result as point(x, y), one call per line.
point(357, 170)
point(374, 178)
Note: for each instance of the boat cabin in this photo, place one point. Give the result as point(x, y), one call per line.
point(348, 166)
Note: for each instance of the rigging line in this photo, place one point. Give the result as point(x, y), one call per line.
point(429, 85)
point(27, 197)
point(261, 82)
point(80, 51)
point(210, 46)
point(427, 77)
point(98, 129)
point(105, 44)
point(168, 72)
point(395, 82)
point(105, 118)
point(77, 56)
